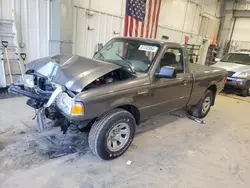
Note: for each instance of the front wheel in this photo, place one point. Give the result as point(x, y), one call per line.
point(203, 107)
point(111, 134)
point(245, 92)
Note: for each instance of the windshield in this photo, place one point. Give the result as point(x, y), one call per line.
point(237, 58)
point(136, 56)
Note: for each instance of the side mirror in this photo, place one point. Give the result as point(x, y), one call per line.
point(167, 72)
point(217, 59)
point(99, 47)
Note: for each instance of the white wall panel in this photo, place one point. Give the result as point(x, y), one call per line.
point(172, 13)
point(32, 25)
point(212, 7)
point(192, 21)
point(177, 36)
point(94, 28)
point(36, 31)
point(5, 9)
point(114, 7)
point(81, 3)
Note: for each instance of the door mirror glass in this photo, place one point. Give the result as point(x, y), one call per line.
point(167, 72)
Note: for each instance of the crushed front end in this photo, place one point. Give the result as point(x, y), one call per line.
point(50, 100)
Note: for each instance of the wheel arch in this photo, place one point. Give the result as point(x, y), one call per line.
point(213, 89)
point(133, 110)
point(128, 105)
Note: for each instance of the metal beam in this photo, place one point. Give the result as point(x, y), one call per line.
point(241, 13)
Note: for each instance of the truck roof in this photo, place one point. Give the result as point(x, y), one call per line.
point(160, 42)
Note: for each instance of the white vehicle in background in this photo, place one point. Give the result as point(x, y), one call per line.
point(237, 65)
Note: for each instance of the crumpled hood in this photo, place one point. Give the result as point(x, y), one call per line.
point(74, 72)
point(234, 67)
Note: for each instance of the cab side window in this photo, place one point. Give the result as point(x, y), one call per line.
point(173, 57)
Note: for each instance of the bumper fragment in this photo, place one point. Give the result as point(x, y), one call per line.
point(31, 94)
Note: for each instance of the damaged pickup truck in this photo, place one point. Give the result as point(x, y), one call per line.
point(129, 80)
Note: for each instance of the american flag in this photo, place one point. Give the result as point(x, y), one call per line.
point(141, 18)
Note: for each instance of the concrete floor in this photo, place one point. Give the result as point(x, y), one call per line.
point(177, 152)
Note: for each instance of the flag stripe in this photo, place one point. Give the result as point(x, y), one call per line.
point(126, 26)
point(157, 18)
point(142, 29)
point(148, 17)
point(131, 22)
point(136, 28)
point(153, 19)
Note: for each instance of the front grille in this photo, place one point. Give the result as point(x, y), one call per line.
point(230, 73)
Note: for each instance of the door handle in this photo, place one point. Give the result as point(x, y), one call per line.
point(185, 82)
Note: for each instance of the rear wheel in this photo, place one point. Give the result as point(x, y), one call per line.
point(203, 107)
point(111, 134)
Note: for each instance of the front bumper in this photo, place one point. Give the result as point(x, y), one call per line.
point(41, 98)
point(240, 83)
point(28, 93)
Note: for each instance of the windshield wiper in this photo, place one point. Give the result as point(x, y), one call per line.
point(100, 56)
point(128, 63)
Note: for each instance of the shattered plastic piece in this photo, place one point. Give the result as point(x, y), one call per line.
point(61, 152)
point(196, 119)
point(129, 162)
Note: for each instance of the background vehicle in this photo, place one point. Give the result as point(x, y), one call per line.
point(127, 81)
point(238, 66)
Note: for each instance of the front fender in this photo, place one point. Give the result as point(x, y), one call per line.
point(121, 102)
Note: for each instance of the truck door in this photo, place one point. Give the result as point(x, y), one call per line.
point(169, 94)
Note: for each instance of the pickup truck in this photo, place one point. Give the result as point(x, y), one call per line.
point(128, 81)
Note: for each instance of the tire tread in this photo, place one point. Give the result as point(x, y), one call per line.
point(97, 127)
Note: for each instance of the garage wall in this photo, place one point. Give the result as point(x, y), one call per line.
point(32, 24)
point(178, 18)
point(52, 26)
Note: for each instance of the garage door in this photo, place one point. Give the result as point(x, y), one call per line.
point(241, 37)
point(242, 30)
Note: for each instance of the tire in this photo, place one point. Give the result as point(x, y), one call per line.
point(197, 110)
point(103, 129)
point(245, 92)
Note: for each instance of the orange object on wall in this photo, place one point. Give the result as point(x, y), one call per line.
point(214, 42)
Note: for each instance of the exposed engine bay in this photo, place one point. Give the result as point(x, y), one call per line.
point(111, 77)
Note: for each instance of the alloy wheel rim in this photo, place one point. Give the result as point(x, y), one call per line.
point(206, 104)
point(118, 137)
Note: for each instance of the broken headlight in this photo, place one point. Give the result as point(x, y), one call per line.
point(69, 106)
point(29, 80)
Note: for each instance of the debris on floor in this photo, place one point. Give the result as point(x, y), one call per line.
point(196, 119)
point(62, 151)
point(35, 149)
point(129, 162)
point(183, 114)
